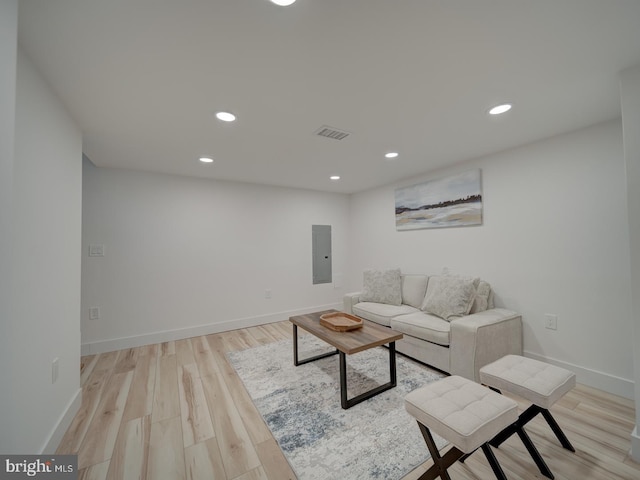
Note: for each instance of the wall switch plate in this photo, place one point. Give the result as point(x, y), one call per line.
point(54, 370)
point(94, 313)
point(96, 250)
point(551, 321)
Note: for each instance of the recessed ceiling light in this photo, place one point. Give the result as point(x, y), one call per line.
point(283, 3)
point(391, 155)
point(206, 159)
point(335, 177)
point(498, 109)
point(226, 116)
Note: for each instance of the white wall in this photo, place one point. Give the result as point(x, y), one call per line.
point(44, 319)
point(630, 101)
point(187, 256)
point(554, 240)
point(8, 53)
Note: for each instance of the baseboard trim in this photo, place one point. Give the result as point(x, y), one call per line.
point(593, 378)
point(92, 348)
point(64, 421)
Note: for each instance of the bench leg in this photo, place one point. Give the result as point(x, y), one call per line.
point(493, 461)
point(440, 464)
point(528, 415)
point(465, 456)
point(518, 427)
point(535, 454)
point(557, 430)
point(524, 418)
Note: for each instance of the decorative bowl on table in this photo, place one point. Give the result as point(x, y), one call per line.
point(340, 321)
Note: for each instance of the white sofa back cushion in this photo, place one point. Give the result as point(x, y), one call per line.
point(382, 286)
point(414, 288)
point(449, 297)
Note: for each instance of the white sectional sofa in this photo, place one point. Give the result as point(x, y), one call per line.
point(448, 322)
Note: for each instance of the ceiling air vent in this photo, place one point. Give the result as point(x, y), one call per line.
point(331, 132)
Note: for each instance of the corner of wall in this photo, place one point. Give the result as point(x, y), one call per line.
point(635, 445)
point(63, 424)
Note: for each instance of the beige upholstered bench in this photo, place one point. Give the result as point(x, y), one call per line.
point(466, 414)
point(539, 383)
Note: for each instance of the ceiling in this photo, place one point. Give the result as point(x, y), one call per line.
point(144, 78)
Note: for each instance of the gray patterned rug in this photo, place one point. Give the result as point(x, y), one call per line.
point(301, 405)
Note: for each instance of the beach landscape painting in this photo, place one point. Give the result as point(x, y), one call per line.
point(452, 201)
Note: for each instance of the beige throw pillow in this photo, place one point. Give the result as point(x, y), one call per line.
point(449, 297)
point(382, 286)
point(481, 302)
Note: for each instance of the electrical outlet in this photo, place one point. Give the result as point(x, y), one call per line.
point(94, 313)
point(54, 370)
point(96, 250)
point(267, 293)
point(551, 321)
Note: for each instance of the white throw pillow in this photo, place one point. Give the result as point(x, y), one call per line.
point(449, 297)
point(481, 302)
point(382, 286)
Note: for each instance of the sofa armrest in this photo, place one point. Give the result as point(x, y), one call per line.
point(349, 300)
point(482, 338)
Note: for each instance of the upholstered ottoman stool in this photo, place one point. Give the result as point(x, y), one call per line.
point(463, 412)
point(538, 382)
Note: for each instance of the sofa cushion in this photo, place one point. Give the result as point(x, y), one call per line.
point(449, 297)
point(424, 326)
point(381, 313)
point(382, 286)
point(414, 287)
point(481, 301)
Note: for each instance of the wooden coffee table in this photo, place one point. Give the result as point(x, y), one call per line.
point(347, 343)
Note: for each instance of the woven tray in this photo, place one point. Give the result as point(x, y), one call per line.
point(340, 321)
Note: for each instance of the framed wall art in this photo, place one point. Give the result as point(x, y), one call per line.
point(452, 201)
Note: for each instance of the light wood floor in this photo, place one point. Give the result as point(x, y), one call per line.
point(177, 410)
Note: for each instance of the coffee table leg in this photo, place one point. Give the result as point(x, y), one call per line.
point(392, 363)
point(295, 345)
point(343, 381)
point(348, 403)
point(296, 360)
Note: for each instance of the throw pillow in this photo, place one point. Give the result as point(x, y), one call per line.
point(382, 286)
point(481, 302)
point(449, 297)
point(490, 303)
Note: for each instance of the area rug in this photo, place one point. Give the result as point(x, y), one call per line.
point(301, 405)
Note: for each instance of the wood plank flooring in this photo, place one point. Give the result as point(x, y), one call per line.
point(177, 410)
